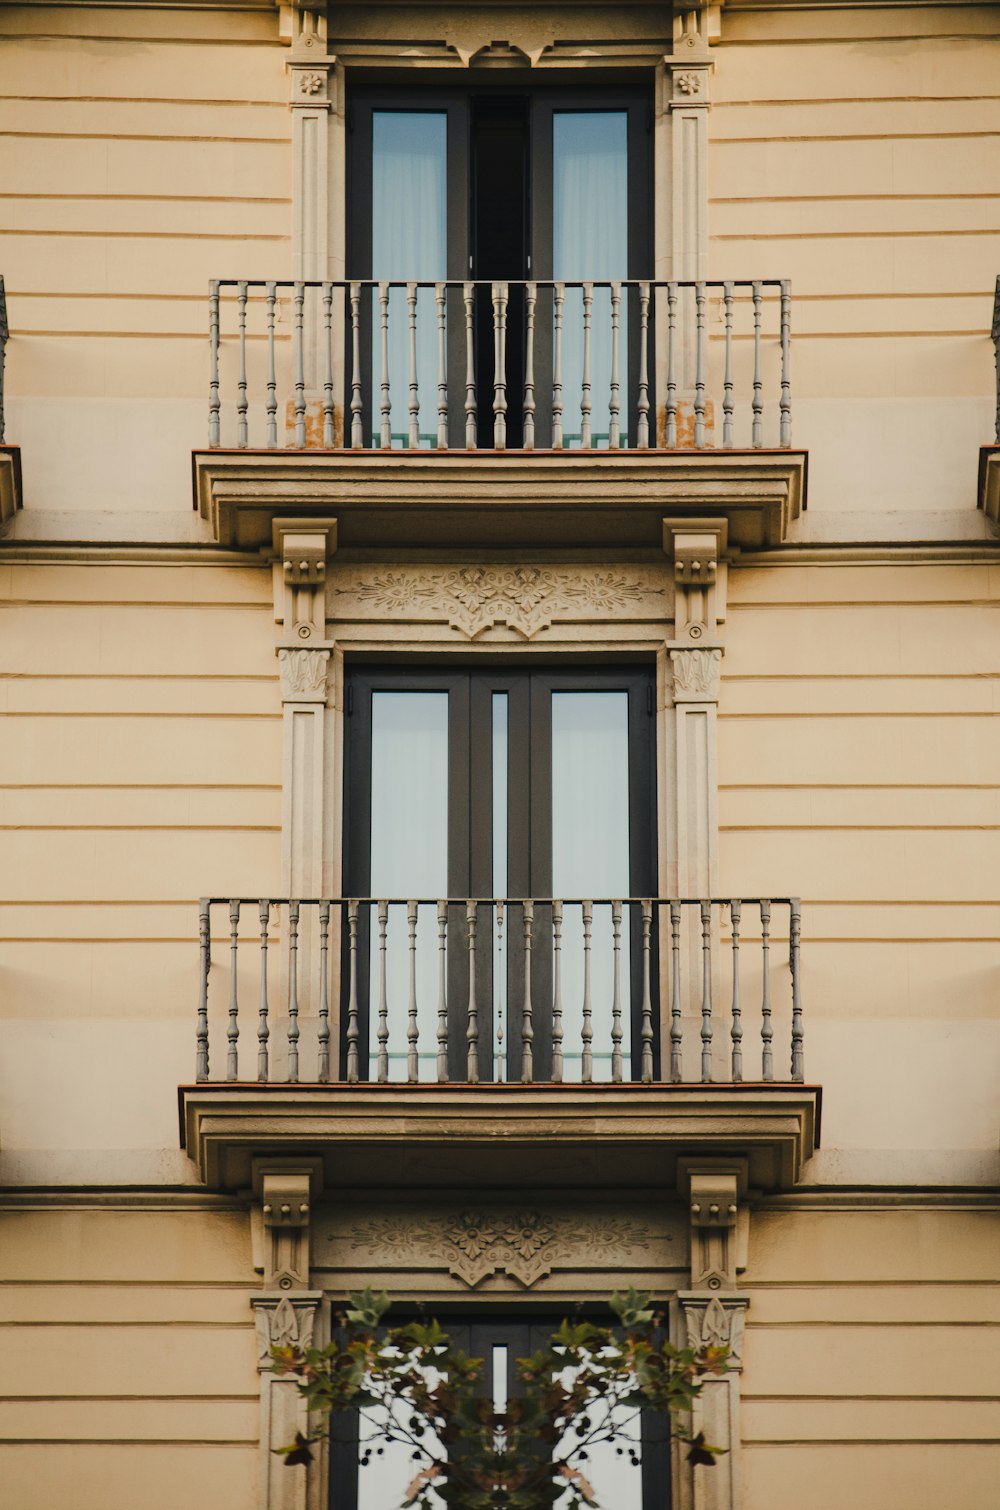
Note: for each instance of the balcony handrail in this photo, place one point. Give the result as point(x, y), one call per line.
point(347, 962)
point(639, 350)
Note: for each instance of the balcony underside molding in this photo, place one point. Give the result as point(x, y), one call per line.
point(568, 1136)
point(414, 499)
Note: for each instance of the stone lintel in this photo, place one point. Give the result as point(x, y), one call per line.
point(570, 1136)
point(461, 499)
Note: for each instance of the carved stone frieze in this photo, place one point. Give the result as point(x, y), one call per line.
point(473, 1244)
point(696, 674)
point(527, 599)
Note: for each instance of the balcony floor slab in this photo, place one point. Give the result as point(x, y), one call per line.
point(559, 1136)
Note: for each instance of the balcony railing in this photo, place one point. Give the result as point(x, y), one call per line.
point(646, 990)
point(546, 364)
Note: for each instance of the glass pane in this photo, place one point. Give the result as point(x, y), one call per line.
point(613, 1469)
point(590, 858)
point(409, 858)
point(409, 241)
point(590, 240)
point(386, 1467)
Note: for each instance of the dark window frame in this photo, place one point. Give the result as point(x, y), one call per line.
point(470, 838)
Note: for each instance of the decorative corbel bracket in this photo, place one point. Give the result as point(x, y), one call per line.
point(302, 26)
point(302, 548)
point(697, 549)
point(715, 1189)
point(285, 1190)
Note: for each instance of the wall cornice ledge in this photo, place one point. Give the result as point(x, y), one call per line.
point(406, 499)
point(567, 1135)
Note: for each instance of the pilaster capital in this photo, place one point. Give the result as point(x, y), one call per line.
point(284, 1321)
point(314, 84)
point(302, 548)
point(695, 673)
point(715, 1321)
point(304, 673)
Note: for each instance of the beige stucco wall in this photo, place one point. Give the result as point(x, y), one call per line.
point(127, 1357)
point(147, 150)
point(855, 151)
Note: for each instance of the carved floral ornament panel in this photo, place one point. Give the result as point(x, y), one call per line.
point(526, 599)
point(523, 1243)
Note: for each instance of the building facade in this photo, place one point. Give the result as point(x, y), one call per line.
point(499, 583)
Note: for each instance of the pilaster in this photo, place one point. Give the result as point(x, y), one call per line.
point(287, 1313)
point(302, 549)
point(692, 663)
point(712, 1313)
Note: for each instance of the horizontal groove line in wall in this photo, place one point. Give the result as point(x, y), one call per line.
point(198, 605)
point(129, 42)
point(139, 828)
point(887, 198)
point(192, 104)
point(249, 1442)
point(859, 99)
point(174, 199)
point(87, 713)
point(184, 139)
point(853, 786)
point(754, 828)
point(140, 786)
point(757, 141)
point(875, 235)
point(890, 39)
point(934, 713)
point(877, 1442)
point(185, 938)
point(52, 231)
point(890, 605)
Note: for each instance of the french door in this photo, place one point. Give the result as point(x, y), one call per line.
point(500, 786)
point(499, 184)
point(620, 1484)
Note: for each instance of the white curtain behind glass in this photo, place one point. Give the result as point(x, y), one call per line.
point(590, 240)
point(409, 241)
point(409, 858)
point(590, 858)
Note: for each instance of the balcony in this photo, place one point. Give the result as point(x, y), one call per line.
point(569, 1042)
point(600, 397)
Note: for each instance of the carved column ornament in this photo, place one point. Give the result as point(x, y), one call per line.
point(284, 1321)
point(697, 548)
point(714, 1189)
point(285, 1189)
point(302, 548)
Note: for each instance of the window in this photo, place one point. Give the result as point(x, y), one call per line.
point(379, 1484)
point(500, 185)
point(499, 785)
